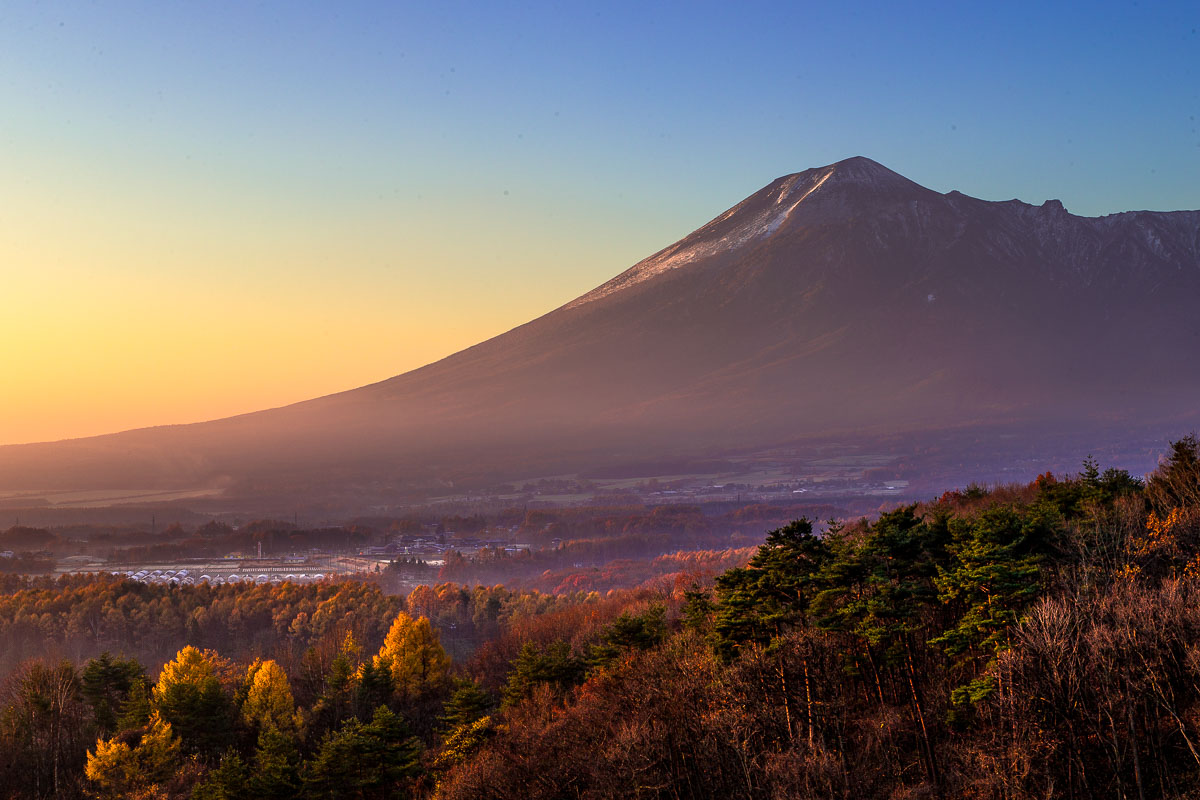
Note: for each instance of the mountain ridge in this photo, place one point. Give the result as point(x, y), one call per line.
point(840, 298)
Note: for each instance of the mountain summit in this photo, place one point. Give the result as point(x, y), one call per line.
point(805, 198)
point(844, 299)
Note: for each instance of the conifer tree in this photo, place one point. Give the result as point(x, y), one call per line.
point(269, 701)
point(467, 704)
point(994, 577)
point(1176, 482)
point(124, 766)
point(772, 593)
point(135, 711)
point(106, 683)
point(189, 696)
point(698, 610)
point(554, 665)
point(336, 701)
point(373, 688)
point(276, 774)
point(413, 655)
point(878, 587)
point(371, 760)
point(630, 632)
point(227, 781)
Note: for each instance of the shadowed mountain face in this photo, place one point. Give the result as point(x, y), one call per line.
point(840, 300)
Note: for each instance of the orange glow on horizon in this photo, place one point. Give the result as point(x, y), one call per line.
point(132, 303)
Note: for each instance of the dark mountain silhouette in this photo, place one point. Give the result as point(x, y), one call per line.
point(841, 300)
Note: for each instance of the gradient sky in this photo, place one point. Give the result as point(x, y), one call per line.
point(210, 208)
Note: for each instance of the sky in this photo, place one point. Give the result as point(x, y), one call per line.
point(213, 208)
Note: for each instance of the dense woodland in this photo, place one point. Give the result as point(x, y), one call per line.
point(1013, 642)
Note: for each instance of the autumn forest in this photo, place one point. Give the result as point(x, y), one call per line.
point(1005, 642)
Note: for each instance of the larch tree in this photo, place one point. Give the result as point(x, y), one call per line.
point(124, 766)
point(415, 658)
point(269, 701)
point(189, 696)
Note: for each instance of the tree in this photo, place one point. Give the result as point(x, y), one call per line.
point(772, 593)
point(698, 610)
point(467, 704)
point(994, 578)
point(228, 781)
point(48, 717)
point(276, 766)
point(1176, 482)
point(336, 700)
point(133, 761)
point(189, 696)
point(374, 688)
point(878, 587)
point(462, 742)
point(637, 631)
point(553, 665)
point(371, 760)
point(269, 701)
point(413, 655)
point(1091, 489)
point(106, 684)
point(135, 711)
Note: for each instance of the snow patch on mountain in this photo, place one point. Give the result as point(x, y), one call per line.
point(779, 219)
point(1067, 247)
point(711, 240)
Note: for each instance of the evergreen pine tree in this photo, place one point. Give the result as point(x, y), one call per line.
point(772, 593)
point(227, 781)
point(276, 774)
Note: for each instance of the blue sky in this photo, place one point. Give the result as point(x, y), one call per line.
point(410, 178)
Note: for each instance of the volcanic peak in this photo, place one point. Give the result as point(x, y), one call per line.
point(861, 170)
point(836, 190)
point(840, 301)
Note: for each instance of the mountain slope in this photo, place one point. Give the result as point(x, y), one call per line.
point(840, 299)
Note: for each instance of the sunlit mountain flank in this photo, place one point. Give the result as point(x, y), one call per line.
point(845, 300)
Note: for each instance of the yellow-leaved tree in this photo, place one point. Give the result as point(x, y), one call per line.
point(414, 657)
point(191, 666)
point(269, 701)
point(189, 696)
point(119, 769)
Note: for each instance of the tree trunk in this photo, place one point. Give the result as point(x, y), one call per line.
point(930, 759)
point(1116, 748)
point(875, 674)
point(787, 702)
point(808, 702)
point(1137, 762)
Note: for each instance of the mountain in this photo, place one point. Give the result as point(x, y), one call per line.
point(844, 300)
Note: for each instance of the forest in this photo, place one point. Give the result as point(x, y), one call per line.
point(1021, 641)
